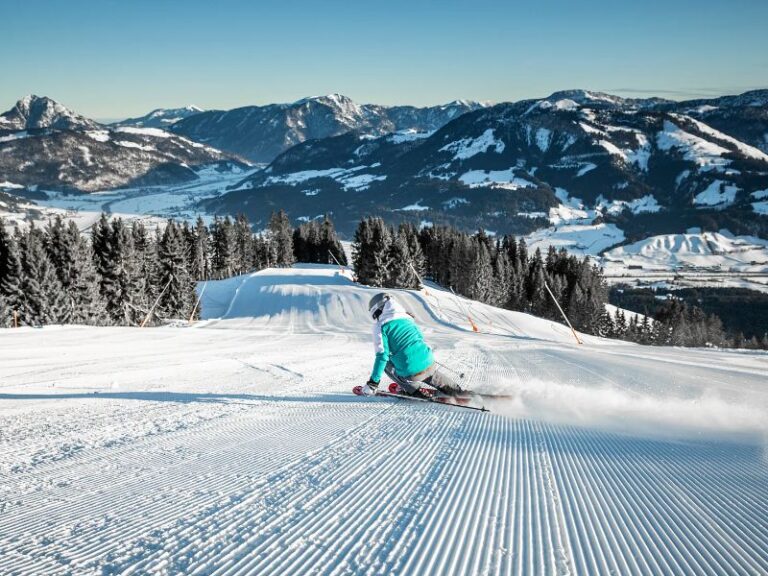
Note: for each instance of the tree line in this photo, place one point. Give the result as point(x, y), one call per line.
point(501, 272)
point(121, 272)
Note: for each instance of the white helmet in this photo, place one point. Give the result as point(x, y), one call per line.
point(377, 303)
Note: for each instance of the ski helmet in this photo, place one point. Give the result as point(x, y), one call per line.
point(376, 304)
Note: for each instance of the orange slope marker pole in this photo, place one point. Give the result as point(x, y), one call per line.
point(151, 310)
point(197, 302)
point(341, 268)
point(563, 313)
point(464, 311)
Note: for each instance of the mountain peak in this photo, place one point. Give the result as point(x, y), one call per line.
point(34, 112)
point(161, 117)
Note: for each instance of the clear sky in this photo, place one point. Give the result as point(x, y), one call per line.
point(117, 58)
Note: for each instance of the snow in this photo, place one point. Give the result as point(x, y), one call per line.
point(564, 104)
point(718, 193)
point(347, 177)
point(646, 204)
point(760, 207)
point(469, 147)
point(11, 186)
point(87, 158)
point(151, 205)
point(495, 178)
point(15, 136)
point(154, 132)
point(580, 239)
point(543, 139)
point(718, 251)
point(361, 181)
point(706, 155)
point(454, 202)
point(589, 129)
point(749, 151)
point(416, 207)
point(98, 135)
point(759, 194)
point(585, 167)
point(236, 447)
point(570, 210)
point(628, 314)
point(642, 154)
point(129, 144)
point(408, 136)
point(613, 150)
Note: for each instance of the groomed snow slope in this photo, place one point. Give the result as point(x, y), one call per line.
point(235, 447)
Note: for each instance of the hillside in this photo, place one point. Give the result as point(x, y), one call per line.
point(236, 447)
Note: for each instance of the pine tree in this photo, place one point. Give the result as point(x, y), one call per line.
point(146, 268)
point(120, 283)
point(620, 329)
point(400, 266)
point(535, 292)
point(281, 235)
point(244, 253)
point(44, 300)
point(502, 280)
point(200, 252)
point(330, 242)
point(72, 257)
point(223, 258)
point(177, 286)
point(371, 251)
point(10, 270)
point(418, 261)
point(6, 314)
point(480, 272)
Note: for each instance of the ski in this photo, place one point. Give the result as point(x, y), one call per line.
point(445, 400)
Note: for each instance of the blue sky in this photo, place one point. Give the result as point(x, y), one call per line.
point(110, 58)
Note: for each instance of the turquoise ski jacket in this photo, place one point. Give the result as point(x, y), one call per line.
point(397, 339)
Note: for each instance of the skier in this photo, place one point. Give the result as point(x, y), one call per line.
point(402, 353)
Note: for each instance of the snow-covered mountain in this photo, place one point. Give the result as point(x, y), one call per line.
point(44, 144)
point(40, 112)
point(160, 117)
point(260, 133)
point(744, 116)
point(576, 155)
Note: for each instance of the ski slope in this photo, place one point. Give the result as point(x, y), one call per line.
point(235, 446)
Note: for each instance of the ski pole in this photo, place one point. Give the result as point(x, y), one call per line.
point(456, 372)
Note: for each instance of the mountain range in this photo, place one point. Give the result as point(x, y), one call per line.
point(643, 165)
point(260, 133)
point(649, 164)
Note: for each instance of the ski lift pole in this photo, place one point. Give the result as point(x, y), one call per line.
point(152, 309)
point(197, 302)
point(464, 311)
point(563, 313)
